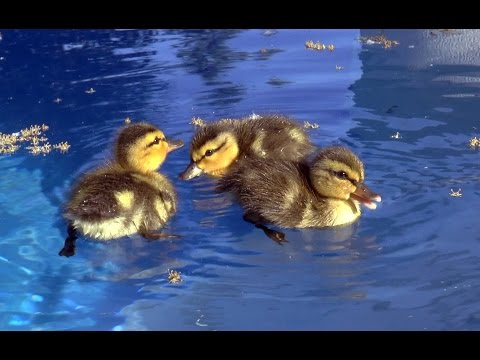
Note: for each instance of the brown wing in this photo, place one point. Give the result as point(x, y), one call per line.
point(94, 196)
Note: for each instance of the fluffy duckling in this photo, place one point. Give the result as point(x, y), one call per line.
point(218, 146)
point(328, 192)
point(126, 196)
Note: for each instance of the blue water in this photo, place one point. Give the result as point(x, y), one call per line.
point(412, 264)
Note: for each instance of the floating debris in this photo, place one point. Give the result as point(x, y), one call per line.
point(308, 125)
point(198, 323)
point(445, 31)
point(396, 136)
point(33, 132)
point(254, 116)
point(275, 81)
point(8, 149)
point(456, 193)
point(8, 139)
point(90, 91)
point(474, 143)
point(391, 109)
point(378, 39)
point(128, 121)
point(62, 146)
point(1, 37)
point(460, 96)
point(265, 53)
point(57, 100)
point(269, 32)
point(319, 46)
point(338, 67)
point(196, 121)
point(37, 150)
point(174, 277)
point(38, 143)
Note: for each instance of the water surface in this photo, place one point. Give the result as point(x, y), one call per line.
point(412, 264)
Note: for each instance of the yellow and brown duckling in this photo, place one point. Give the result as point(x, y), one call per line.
point(127, 196)
point(327, 192)
point(220, 146)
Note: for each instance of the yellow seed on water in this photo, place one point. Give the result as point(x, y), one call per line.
point(174, 277)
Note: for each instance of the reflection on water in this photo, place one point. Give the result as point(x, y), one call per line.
point(428, 231)
point(206, 53)
point(411, 264)
point(39, 292)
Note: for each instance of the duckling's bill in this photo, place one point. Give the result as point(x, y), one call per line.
point(365, 196)
point(174, 144)
point(191, 171)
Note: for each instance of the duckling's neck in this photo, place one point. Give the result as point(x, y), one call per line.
point(346, 211)
point(221, 172)
point(336, 211)
point(133, 168)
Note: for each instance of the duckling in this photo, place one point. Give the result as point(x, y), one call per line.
point(327, 192)
point(219, 146)
point(126, 196)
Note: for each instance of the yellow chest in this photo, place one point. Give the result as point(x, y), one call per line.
point(345, 212)
point(333, 213)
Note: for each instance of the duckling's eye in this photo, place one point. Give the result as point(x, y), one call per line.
point(156, 141)
point(341, 174)
point(209, 152)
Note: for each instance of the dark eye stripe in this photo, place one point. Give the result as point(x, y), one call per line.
point(343, 175)
point(212, 150)
point(156, 141)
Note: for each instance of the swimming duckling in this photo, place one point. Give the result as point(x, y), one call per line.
point(218, 146)
point(127, 196)
point(327, 192)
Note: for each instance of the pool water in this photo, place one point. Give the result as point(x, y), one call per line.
point(408, 111)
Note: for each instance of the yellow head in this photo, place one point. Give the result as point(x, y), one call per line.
point(338, 173)
point(211, 153)
point(143, 147)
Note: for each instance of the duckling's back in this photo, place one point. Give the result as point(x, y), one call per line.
point(113, 202)
point(273, 136)
point(276, 191)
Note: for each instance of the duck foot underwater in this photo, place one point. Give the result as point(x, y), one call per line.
point(277, 236)
point(69, 246)
point(153, 236)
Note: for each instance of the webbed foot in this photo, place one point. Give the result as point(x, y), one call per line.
point(277, 236)
point(69, 246)
point(153, 236)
